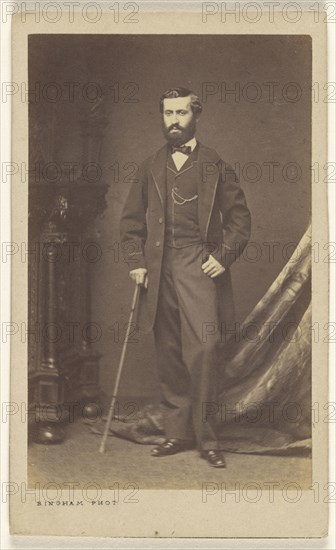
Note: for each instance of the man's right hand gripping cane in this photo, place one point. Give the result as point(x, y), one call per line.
point(139, 276)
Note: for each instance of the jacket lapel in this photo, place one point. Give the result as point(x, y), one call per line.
point(208, 176)
point(158, 171)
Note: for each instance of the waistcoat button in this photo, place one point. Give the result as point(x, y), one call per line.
point(157, 243)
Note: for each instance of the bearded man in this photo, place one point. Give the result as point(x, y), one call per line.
point(184, 223)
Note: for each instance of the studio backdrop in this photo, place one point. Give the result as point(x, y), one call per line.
point(94, 116)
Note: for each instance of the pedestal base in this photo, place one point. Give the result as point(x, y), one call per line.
point(47, 433)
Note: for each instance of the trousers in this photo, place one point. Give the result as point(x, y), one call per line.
point(187, 357)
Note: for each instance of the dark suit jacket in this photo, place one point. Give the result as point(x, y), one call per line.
point(223, 217)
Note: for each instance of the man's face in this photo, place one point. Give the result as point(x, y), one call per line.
point(179, 122)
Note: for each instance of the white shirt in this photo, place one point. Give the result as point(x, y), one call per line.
point(180, 158)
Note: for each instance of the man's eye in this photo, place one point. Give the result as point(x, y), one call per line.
point(168, 113)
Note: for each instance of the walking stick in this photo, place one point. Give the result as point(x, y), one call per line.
point(121, 364)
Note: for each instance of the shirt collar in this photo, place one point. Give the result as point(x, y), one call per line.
point(191, 143)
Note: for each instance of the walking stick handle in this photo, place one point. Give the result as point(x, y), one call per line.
point(120, 367)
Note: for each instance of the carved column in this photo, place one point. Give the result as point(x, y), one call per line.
point(63, 364)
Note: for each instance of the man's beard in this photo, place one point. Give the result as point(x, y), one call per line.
point(179, 138)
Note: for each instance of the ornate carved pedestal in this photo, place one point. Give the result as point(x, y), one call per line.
point(63, 366)
point(63, 361)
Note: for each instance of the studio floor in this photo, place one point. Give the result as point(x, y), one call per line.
point(78, 460)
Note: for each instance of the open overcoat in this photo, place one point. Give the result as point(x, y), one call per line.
point(223, 217)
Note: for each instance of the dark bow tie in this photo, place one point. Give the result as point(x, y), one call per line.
point(185, 149)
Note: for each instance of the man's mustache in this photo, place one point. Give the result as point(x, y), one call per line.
point(175, 127)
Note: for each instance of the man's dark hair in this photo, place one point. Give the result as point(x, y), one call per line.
point(196, 105)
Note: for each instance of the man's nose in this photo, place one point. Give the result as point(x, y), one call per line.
point(174, 118)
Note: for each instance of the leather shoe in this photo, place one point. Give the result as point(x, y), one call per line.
point(215, 458)
point(170, 447)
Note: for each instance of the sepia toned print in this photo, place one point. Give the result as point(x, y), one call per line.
point(171, 259)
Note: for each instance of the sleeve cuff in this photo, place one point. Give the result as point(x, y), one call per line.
point(225, 256)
